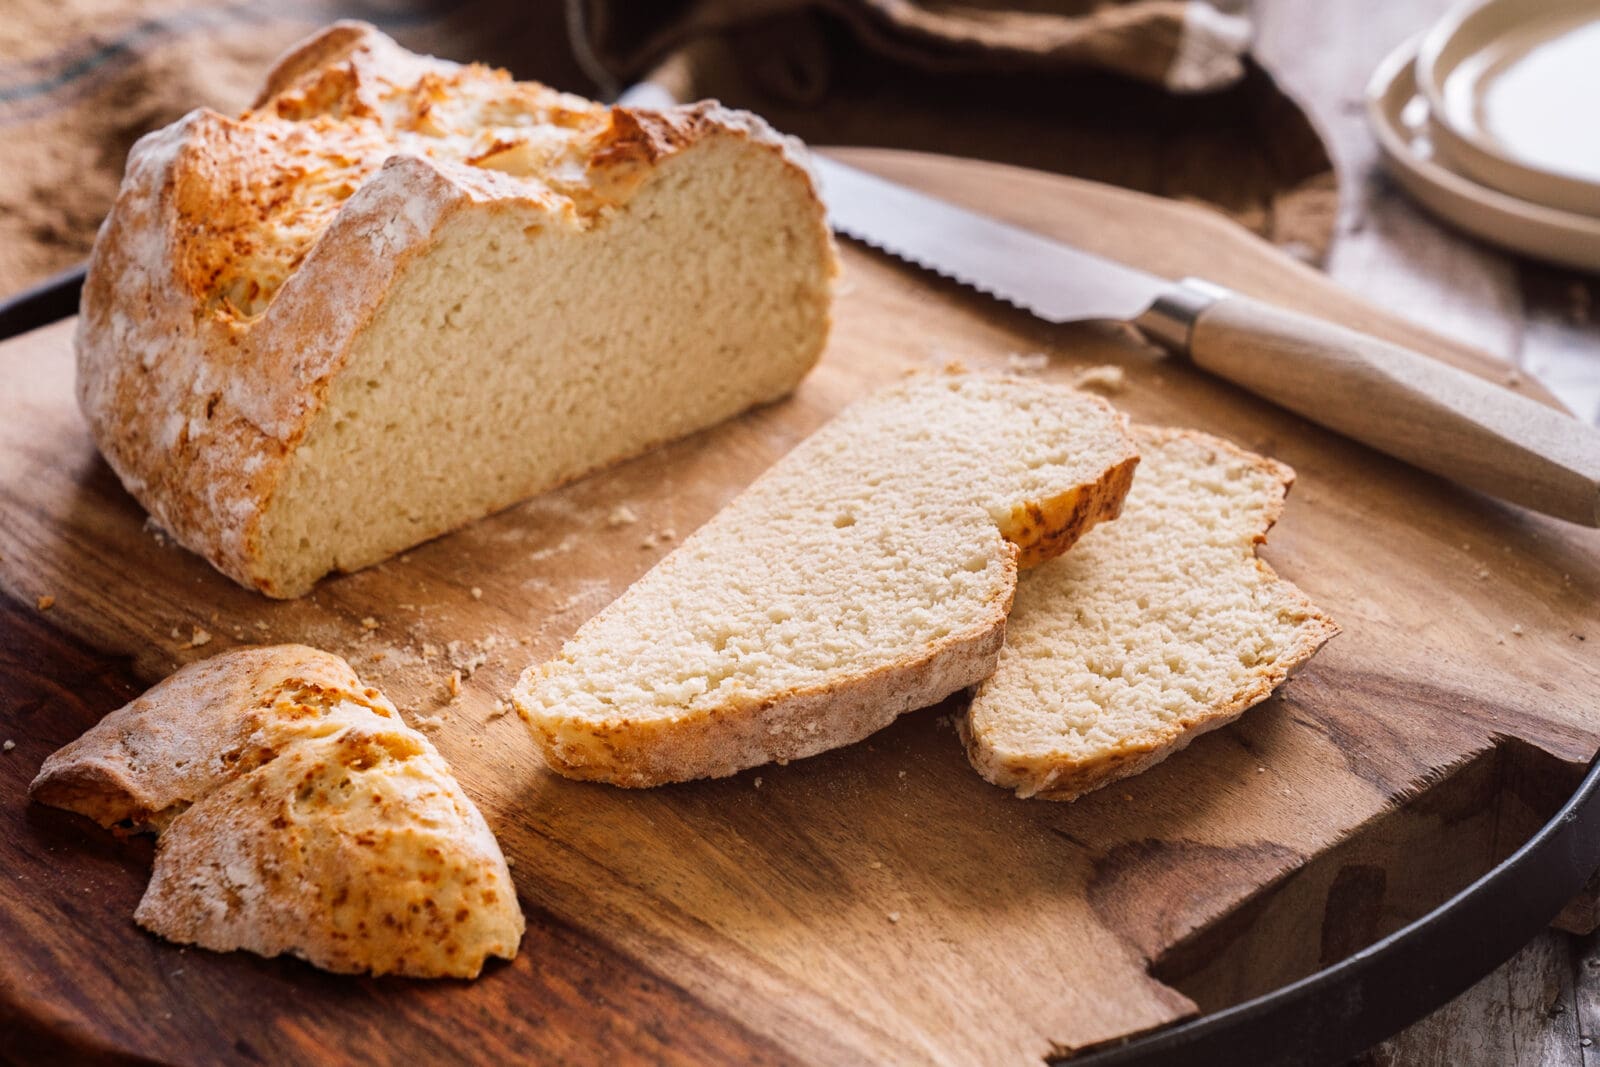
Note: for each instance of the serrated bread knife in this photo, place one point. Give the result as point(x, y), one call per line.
point(1413, 407)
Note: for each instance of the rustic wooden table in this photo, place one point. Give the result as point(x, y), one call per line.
point(1542, 1007)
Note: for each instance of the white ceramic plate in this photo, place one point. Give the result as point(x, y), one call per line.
point(1399, 118)
point(1512, 87)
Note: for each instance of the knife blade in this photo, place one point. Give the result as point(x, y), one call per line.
point(1409, 405)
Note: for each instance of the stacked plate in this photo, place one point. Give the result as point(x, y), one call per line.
point(1492, 120)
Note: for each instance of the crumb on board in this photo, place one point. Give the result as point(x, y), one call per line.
point(157, 534)
point(7, 745)
point(369, 623)
point(454, 684)
point(621, 515)
point(1517, 629)
point(46, 602)
point(199, 637)
point(758, 781)
point(659, 537)
point(261, 624)
point(1105, 378)
point(1026, 362)
point(477, 594)
point(894, 916)
point(902, 774)
point(875, 865)
point(1483, 572)
point(501, 707)
point(467, 657)
point(430, 722)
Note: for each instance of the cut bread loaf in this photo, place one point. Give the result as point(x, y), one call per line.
point(298, 814)
point(399, 294)
point(868, 573)
point(1150, 632)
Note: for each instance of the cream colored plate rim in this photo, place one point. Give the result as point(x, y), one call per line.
point(1545, 233)
point(1470, 29)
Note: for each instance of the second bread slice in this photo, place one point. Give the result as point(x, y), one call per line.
point(867, 574)
point(1149, 633)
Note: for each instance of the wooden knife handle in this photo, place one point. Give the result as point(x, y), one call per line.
point(1425, 412)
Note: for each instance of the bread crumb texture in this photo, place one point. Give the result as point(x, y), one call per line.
point(1150, 632)
point(867, 574)
point(297, 814)
point(435, 290)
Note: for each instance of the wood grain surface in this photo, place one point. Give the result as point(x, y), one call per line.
point(880, 902)
point(1541, 322)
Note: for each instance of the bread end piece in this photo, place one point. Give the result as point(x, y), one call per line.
point(297, 814)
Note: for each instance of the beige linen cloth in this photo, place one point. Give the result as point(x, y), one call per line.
point(1158, 95)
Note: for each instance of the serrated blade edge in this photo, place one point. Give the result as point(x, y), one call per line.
point(1052, 280)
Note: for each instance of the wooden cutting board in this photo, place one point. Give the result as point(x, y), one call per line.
point(879, 903)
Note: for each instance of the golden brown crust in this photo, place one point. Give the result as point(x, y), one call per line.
point(312, 54)
point(1044, 530)
point(297, 814)
point(244, 257)
point(1058, 776)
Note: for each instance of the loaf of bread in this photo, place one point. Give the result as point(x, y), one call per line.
point(1150, 632)
point(297, 814)
point(868, 573)
point(399, 294)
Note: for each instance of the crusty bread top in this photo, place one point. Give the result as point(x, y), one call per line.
point(298, 814)
point(339, 106)
point(252, 195)
point(889, 536)
point(244, 256)
point(1152, 631)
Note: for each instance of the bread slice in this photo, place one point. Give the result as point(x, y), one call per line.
point(1150, 632)
point(866, 574)
point(399, 294)
point(297, 814)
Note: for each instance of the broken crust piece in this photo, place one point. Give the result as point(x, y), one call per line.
point(428, 287)
point(867, 574)
point(1150, 632)
point(298, 814)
